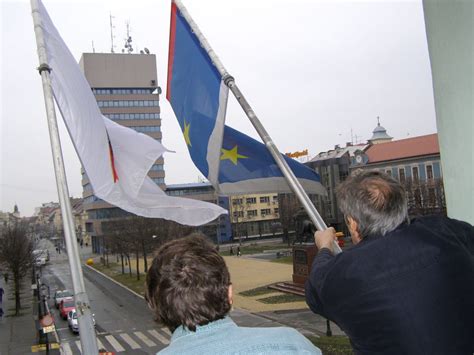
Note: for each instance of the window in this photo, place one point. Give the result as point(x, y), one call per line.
point(238, 214)
point(264, 212)
point(416, 177)
point(401, 174)
point(264, 199)
point(251, 213)
point(250, 200)
point(429, 172)
point(275, 198)
point(388, 172)
point(237, 201)
point(276, 211)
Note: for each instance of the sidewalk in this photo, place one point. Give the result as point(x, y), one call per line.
point(17, 333)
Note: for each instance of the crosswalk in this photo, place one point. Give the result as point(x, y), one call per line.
point(122, 342)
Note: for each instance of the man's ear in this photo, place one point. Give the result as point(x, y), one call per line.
point(354, 230)
point(230, 294)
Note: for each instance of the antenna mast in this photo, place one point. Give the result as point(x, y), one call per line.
point(112, 34)
point(128, 41)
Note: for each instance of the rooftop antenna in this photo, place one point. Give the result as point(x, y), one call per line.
point(128, 41)
point(93, 48)
point(112, 34)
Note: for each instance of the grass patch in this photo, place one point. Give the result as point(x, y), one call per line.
point(334, 345)
point(256, 248)
point(284, 298)
point(257, 291)
point(114, 271)
point(284, 260)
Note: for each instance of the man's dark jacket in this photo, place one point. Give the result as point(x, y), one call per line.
point(408, 292)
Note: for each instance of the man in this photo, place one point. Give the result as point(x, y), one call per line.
point(404, 288)
point(189, 290)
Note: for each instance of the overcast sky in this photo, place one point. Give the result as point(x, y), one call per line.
point(312, 70)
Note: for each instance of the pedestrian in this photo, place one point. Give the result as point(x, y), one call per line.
point(82, 242)
point(188, 289)
point(238, 251)
point(1, 312)
point(404, 287)
point(5, 276)
point(57, 250)
point(1, 294)
point(231, 252)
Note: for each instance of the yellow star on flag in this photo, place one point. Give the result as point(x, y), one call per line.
point(186, 133)
point(232, 155)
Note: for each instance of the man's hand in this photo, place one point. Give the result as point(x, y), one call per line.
point(325, 239)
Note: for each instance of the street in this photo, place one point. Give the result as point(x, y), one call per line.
point(124, 323)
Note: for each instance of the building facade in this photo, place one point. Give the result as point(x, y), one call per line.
point(220, 230)
point(416, 163)
point(334, 167)
point(126, 89)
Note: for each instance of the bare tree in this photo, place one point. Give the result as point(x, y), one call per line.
point(16, 255)
point(288, 206)
point(425, 197)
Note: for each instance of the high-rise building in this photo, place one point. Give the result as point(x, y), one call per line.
point(126, 89)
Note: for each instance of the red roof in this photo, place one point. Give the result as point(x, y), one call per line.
point(403, 148)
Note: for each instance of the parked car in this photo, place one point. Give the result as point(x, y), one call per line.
point(59, 295)
point(66, 305)
point(41, 256)
point(72, 322)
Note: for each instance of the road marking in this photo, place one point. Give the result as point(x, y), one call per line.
point(78, 344)
point(158, 336)
point(130, 341)
point(115, 344)
point(66, 349)
point(145, 339)
point(166, 330)
point(100, 344)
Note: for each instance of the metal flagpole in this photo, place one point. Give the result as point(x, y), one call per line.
point(86, 326)
point(282, 164)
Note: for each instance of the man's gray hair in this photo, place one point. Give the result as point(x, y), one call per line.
point(376, 201)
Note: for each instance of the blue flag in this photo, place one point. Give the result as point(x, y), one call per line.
point(233, 162)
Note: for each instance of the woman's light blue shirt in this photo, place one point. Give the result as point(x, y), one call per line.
point(225, 337)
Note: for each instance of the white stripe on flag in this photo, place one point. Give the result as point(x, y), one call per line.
point(145, 339)
point(133, 344)
point(115, 344)
point(158, 336)
point(215, 140)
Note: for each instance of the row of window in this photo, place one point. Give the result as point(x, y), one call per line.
point(254, 213)
point(144, 129)
point(159, 181)
point(91, 199)
point(107, 213)
point(415, 173)
point(128, 103)
point(156, 167)
point(123, 91)
point(253, 200)
point(133, 116)
point(198, 191)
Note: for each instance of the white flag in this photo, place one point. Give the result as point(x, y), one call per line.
point(115, 158)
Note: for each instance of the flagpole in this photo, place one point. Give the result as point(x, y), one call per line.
point(281, 162)
point(86, 326)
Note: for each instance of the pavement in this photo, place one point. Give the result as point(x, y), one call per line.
point(18, 333)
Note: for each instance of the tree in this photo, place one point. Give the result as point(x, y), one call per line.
point(140, 236)
point(288, 207)
point(16, 256)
